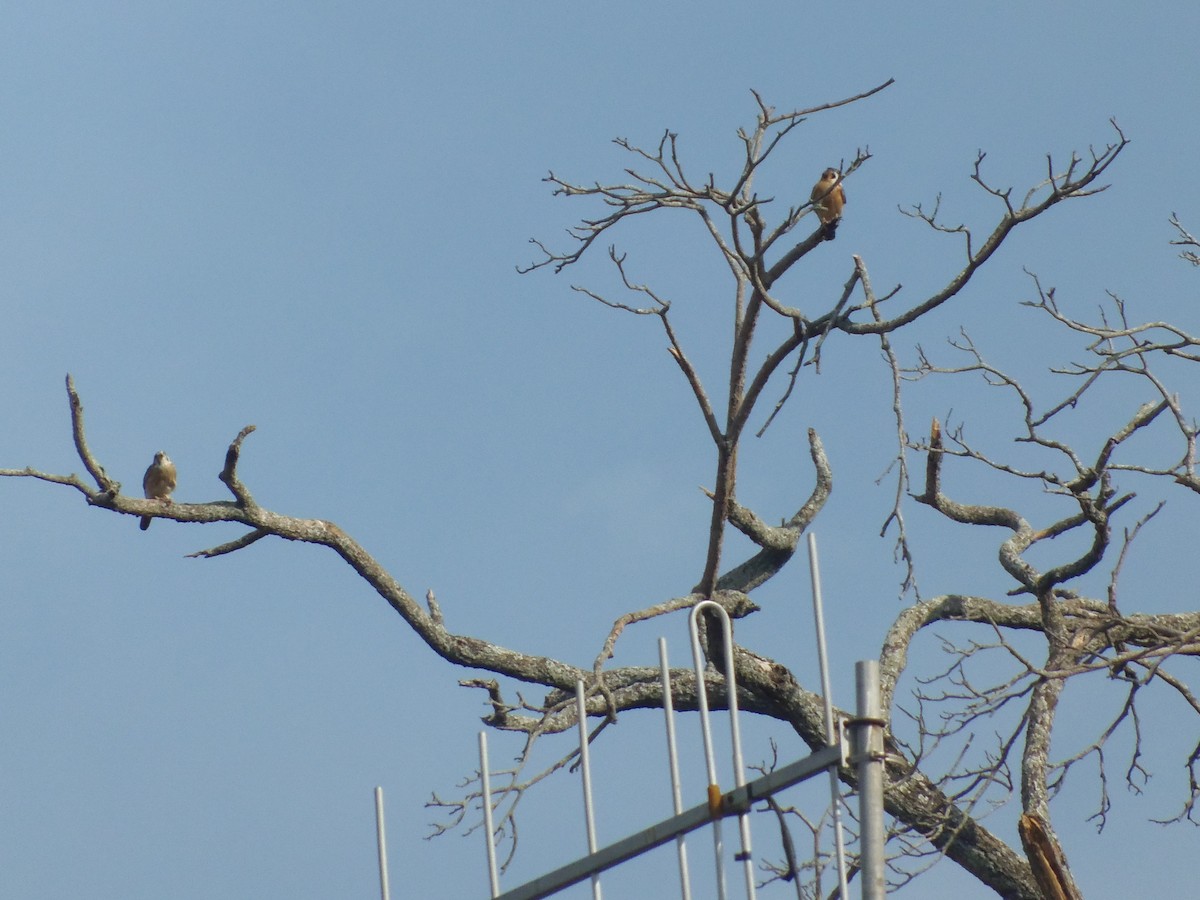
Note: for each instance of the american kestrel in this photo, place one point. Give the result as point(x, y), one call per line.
point(158, 482)
point(828, 198)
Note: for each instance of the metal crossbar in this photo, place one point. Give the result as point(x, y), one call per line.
point(736, 802)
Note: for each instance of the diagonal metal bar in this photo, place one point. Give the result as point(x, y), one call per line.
point(738, 801)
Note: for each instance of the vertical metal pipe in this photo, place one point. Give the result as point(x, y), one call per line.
point(831, 735)
point(485, 779)
point(381, 844)
point(714, 791)
point(585, 766)
point(735, 731)
point(673, 761)
point(868, 750)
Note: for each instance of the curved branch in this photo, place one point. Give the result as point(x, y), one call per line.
point(1064, 187)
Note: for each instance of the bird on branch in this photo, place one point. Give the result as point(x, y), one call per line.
point(828, 197)
point(158, 482)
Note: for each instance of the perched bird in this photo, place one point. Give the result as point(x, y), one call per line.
point(158, 482)
point(828, 198)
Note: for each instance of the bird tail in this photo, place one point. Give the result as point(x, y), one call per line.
point(831, 229)
point(145, 523)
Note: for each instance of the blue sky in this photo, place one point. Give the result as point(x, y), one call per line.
point(309, 219)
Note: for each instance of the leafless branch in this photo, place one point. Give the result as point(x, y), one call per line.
point(981, 728)
point(1185, 239)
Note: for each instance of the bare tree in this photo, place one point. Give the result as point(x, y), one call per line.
point(762, 242)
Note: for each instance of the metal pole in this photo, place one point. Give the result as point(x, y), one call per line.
point(673, 761)
point(714, 790)
point(381, 844)
point(735, 731)
point(746, 856)
point(586, 766)
point(485, 783)
point(868, 758)
point(832, 737)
